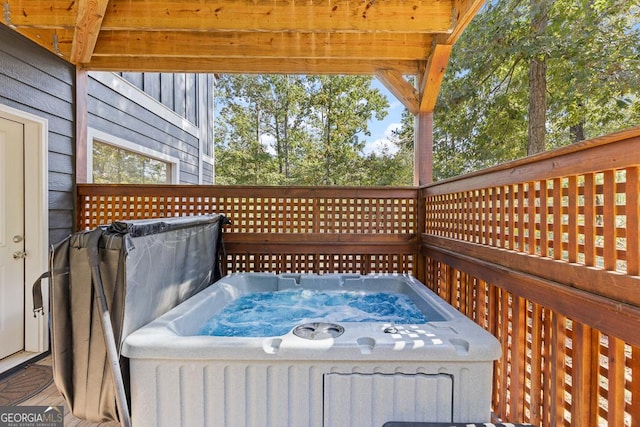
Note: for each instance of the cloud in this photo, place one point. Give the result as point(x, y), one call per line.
point(382, 143)
point(268, 143)
point(392, 127)
point(395, 104)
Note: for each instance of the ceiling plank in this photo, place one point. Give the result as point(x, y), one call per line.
point(423, 16)
point(400, 88)
point(248, 65)
point(262, 44)
point(432, 78)
point(464, 11)
point(52, 14)
point(88, 23)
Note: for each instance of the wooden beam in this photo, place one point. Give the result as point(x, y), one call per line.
point(247, 65)
point(81, 97)
point(425, 16)
point(392, 46)
point(432, 78)
point(88, 23)
point(51, 14)
point(423, 149)
point(417, 16)
point(400, 88)
point(463, 13)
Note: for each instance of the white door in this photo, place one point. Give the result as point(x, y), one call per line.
point(12, 245)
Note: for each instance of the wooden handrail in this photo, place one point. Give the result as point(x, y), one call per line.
point(563, 161)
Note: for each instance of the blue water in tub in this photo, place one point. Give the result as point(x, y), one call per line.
point(265, 314)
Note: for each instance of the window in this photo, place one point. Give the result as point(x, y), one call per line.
point(116, 161)
point(115, 165)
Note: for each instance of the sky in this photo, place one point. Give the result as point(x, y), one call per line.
point(381, 129)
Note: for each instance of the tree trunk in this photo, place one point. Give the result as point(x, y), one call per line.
point(538, 82)
point(286, 142)
point(577, 132)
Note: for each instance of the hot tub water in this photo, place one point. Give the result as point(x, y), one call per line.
point(267, 314)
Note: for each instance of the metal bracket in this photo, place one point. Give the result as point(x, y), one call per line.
point(56, 48)
point(7, 15)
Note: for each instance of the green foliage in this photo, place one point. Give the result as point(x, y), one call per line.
point(593, 75)
point(294, 130)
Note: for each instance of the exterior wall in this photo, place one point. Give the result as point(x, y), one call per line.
point(207, 172)
point(176, 91)
point(37, 82)
point(165, 113)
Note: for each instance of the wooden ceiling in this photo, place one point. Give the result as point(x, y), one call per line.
point(386, 38)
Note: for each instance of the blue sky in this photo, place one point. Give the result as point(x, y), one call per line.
point(381, 129)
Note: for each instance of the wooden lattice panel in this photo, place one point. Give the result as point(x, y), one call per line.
point(321, 263)
point(277, 229)
point(258, 209)
point(571, 217)
point(554, 371)
point(580, 219)
point(367, 215)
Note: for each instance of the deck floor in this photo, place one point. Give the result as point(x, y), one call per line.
point(51, 397)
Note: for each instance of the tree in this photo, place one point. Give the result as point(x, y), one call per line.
point(587, 54)
point(277, 129)
point(341, 107)
point(539, 12)
point(394, 169)
point(242, 148)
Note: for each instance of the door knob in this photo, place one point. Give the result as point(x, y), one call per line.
point(19, 255)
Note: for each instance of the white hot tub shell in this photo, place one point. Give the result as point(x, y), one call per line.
point(439, 371)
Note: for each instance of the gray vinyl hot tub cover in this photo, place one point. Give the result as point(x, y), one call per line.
point(147, 268)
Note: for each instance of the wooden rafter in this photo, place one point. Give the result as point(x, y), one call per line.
point(464, 11)
point(400, 88)
point(88, 23)
point(432, 79)
point(250, 65)
point(415, 16)
point(344, 45)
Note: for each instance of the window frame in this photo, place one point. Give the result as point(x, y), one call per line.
point(95, 135)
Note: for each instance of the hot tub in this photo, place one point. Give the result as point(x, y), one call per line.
point(325, 374)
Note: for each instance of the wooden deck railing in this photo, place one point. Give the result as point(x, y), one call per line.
point(293, 229)
point(544, 252)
